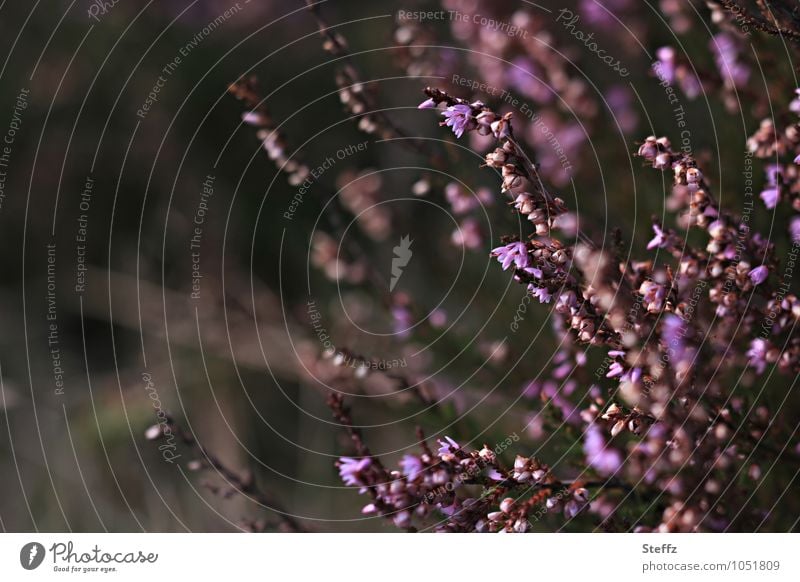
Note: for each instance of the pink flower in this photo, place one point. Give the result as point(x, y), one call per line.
point(411, 466)
point(794, 229)
point(666, 63)
point(447, 447)
point(606, 461)
point(459, 118)
point(654, 295)
point(758, 354)
point(660, 240)
point(516, 253)
point(759, 275)
point(351, 470)
point(770, 196)
point(614, 370)
point(541, 293)
point(460, 200)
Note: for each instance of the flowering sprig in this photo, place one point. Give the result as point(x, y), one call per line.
point(432, 490)
point(660, 325)
point(521, 180)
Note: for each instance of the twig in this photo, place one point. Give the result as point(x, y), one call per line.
point(244, 484)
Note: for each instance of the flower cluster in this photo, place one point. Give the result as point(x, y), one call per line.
point(432, 491)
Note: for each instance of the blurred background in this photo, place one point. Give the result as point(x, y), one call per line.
point(158, 262)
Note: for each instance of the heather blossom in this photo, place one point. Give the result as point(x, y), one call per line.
point(759, 275)
point(515, 253)
point(659, 240)
point(603, 458)
point(411, 466)
point(758, 354)
point(351, 470)
point(540, 293)
point(459, 118)
point(447, 447)
point(669, 322)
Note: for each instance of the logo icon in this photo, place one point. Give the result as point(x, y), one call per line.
point(31, 555)
point(402, 254)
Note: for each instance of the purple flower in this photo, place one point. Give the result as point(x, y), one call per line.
point(533, 271)
point(495, 475)
point(604, 460)
point(459, 118)
point(797, 160)
point(460, 200)
point(666, 63)
point(794, 106)
point(673, 334)
point(401, 317)
point(690, 85)
point(759, 275)
point(562, 371)
point(770, 196)
point(634, 375)
point(532, 389)
point(660, 240)
point(604, 14)
point(350, 470)
point(516, 253)
point(525, 76)
point(726, 50)
point(653, 296)
point(620, 102)
point(773, 172)
point(427, 104)
point(447, 447)
point(615, 370)
point(794, 229)
point(411, 466)
point(566, 302)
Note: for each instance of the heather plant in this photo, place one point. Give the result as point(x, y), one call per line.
point(676, 325)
